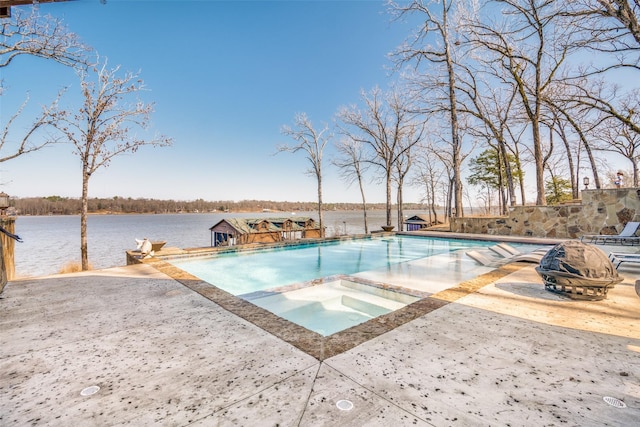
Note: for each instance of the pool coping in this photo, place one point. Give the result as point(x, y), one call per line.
point(314, 344)
point(485, 237)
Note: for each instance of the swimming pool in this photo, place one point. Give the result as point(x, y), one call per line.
point(419, 273)
point(246, 272)
point(327, 287)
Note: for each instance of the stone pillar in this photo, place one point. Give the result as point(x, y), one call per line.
point(7, 246)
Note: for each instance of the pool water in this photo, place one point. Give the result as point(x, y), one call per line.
point(331, 286)
point(333, 306)
point(246, 272)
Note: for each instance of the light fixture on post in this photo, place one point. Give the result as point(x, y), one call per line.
point(4, 203)
point(585, 181)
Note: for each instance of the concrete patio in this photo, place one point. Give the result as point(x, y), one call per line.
point(505, 353)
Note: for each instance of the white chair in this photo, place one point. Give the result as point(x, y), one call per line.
point(626, 236)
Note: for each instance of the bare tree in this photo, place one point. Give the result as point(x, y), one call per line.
point(515, 135)
point(386, 128)
point(352, 166)
point(403, 166)
point(103, 128)
point(312, 143)
point(588, 100)
point(429, 178)
point(440, 24)
point(440, 147)
point(530, 46)
point(562, 128)
point(570, 114)
point(492, 108)
point(30, 34)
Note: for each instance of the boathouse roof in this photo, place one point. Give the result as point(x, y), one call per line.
point(265, 225)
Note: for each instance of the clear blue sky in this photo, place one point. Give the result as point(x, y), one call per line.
point(225, 76)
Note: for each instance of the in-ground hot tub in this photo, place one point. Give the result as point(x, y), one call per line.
point(333, 306)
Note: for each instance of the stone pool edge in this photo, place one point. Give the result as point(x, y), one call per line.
point(312, 343)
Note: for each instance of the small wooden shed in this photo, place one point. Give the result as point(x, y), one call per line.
point(418, 222)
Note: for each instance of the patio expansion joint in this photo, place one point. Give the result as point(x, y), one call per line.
point(308, 400)
point(373, 392)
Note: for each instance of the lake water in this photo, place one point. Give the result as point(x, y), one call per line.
point(52, 241)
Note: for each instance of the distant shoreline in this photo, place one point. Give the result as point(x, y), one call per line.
point(55, 205)
point(280, 213)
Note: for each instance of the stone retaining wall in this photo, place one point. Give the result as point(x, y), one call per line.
point(599, 212)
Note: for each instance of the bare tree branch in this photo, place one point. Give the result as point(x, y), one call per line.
point(26, 145)
point(41, 36)
point(29, 34)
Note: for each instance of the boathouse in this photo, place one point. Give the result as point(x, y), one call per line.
point(419, 222)
point(242, 231)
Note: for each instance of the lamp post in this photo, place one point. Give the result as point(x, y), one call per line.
point(4, 203)
point(585, 181)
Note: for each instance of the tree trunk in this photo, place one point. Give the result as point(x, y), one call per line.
point(502, 196)
point(587, 148)
point(453, 111)
point(320, 219)
point(432, 202)
point(84, 253)
point(592, 161)
point(539, 162)
point(450, 208)
point(400, 213)
point(388, 184)
point(364, 204)
point(509, 173)
point(573, 174)
point(364, 214)
point(455, 140)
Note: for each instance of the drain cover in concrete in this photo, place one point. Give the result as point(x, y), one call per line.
point(344, 405)
point(614, 402)
point(90, 390)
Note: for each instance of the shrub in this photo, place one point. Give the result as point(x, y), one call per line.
point(72, 267)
